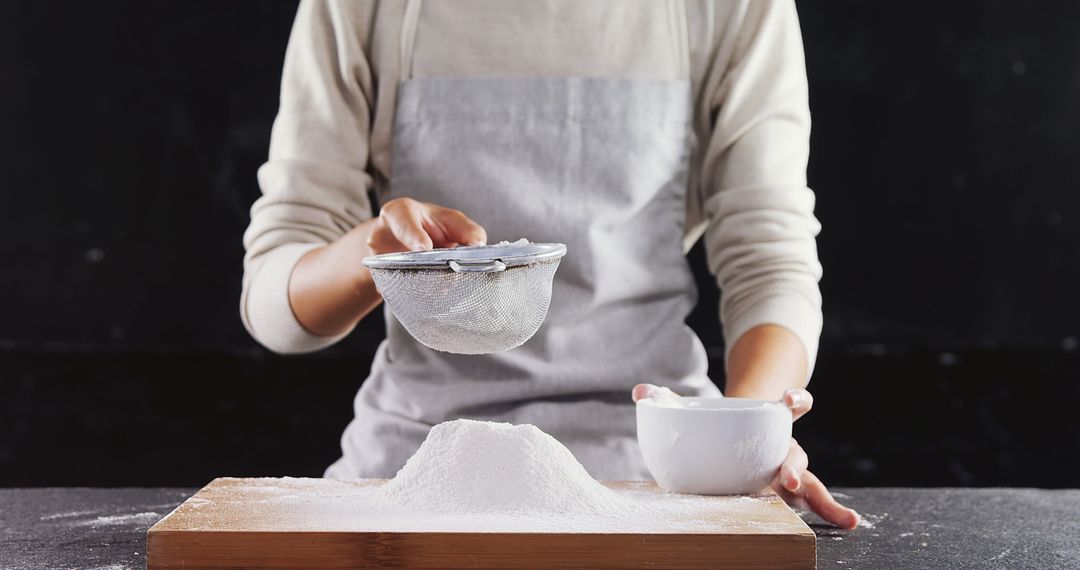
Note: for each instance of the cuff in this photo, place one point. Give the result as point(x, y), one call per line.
point(791, 311)
point(265, 307)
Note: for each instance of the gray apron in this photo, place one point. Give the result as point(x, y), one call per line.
point(597, 164)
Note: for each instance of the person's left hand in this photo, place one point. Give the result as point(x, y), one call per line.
point(795, 483)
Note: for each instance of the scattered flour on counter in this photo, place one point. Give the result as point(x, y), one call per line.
point(67, 515)
point(869, 520)
point(113, 520)
point(468, 466)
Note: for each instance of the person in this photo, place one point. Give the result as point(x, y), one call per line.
point(626, 131)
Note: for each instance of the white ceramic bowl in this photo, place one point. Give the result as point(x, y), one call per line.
point(714, 446)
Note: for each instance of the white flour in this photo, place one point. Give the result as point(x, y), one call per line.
point(467, 466)
point(522, 241)
point(471, 476)
point(664, 397)
point(114, 520)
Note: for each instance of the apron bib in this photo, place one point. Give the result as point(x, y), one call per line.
point(597, 164)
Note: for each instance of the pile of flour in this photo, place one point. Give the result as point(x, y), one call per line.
point(471, 476)
point(473, 467)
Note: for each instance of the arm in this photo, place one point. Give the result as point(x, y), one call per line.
point(764, 363)
point(768, 363)
point(761, 228)
point(316, 180)
point(330, 291)
point(760, 237)
point(304, 287)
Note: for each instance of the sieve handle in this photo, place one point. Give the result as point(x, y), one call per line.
point(485, 266)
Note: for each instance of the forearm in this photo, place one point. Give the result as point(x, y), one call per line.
point(329, 290)
point(764, 362)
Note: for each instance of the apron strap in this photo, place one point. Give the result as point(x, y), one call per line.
point(680, 35)
point(410, 20)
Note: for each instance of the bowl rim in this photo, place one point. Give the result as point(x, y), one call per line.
point(741, 405)
point(511, 255)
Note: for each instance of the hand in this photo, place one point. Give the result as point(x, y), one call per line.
point(405, 224)
point(330, 290)
point(794, 483)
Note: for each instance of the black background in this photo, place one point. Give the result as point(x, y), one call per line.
point(946, 137)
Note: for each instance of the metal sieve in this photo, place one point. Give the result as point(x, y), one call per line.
point(469, 300)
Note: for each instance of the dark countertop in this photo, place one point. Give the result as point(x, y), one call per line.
point(105, 529)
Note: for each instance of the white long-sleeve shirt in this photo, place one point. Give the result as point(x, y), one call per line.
point(333, 135)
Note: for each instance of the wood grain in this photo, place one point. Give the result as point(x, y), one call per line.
point(238, 523)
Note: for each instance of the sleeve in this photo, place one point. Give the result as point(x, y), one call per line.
point(315, 182)
point(761, 227)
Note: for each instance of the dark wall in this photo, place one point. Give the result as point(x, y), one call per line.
point(943, 149)
point(132, 134)
point(945, 143)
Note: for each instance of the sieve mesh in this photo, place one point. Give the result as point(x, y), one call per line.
point(469, 313)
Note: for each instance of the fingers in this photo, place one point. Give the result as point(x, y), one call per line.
point(800, 401)
point(403, 223)
point(822, 502)
point(660, 393)
point(408, 225)
point(794, 468)
point(449, 227)
point(642, 391)
point(382, 240)
point(799, 487)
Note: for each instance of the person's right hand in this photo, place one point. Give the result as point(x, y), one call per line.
point(330, 290)
point(405, 224)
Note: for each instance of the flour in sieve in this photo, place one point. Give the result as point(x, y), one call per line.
point(522, 241)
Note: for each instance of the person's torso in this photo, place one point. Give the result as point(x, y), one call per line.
point(596, 157)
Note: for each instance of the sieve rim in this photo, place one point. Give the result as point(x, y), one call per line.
point(511, 255)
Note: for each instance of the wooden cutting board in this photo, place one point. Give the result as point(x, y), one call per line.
point(320, 523)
